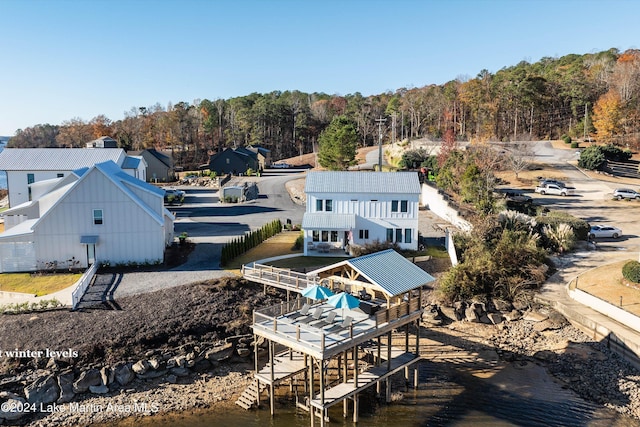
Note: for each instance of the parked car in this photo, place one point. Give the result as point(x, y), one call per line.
point(513, 195)
point(281, 165)
point(544, 182)
point(555, 189)
point(172, 196)
point(604, 231)
point(626, 193)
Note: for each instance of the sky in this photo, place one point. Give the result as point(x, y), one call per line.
point(67, 59)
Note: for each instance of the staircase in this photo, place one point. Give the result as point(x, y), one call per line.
point(249, 397)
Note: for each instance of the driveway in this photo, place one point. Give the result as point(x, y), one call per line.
point(210, 224)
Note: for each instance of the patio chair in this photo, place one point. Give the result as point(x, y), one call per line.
point(326, 321)
point(346, 323)
point(303, 312)
point(317, 314)
point(363, 295)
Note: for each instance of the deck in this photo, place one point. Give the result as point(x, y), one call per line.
point(281, 278)
point(284, 367)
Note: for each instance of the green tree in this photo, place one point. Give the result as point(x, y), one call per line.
point(338, 144)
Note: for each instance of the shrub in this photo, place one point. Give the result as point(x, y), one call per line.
point(566, 139)
point(575, 145)
point(580, 227)
point(631, 271)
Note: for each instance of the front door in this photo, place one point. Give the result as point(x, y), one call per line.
point(91, 254)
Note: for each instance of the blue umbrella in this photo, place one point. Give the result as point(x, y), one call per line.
point(317, 292)
point(343, 300)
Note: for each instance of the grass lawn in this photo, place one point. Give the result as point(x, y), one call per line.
point(38, 285)
point(607, 283)
point(280, 244)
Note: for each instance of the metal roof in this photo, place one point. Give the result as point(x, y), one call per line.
point(389, 270)
point(326, 221)
point(131, 162)
point(362, 182)
point(56, 159)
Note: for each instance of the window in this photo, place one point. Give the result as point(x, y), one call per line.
point(97, 216)
point(334, 235)
point(407, 235)
point(325, 236)
point(398, 234)
point(318, 205)
point(363, 234)
point(316, 235)
point(389, 234)
point(324, 205)
point(328, 205)
point(394, 206)
point(404, 206)
point(60, 175)
point(30, 178)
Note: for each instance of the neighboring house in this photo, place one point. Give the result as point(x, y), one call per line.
point(261, 155)
point(346, 208)
point(97, 214)
point(159, 165)
point(26, 166)
point(233, 161)
point(102, 142)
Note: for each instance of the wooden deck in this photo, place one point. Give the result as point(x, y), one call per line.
point(366, 379)
point(281, 278)
point(285, 366)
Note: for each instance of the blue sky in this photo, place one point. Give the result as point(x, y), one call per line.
point(62, 59)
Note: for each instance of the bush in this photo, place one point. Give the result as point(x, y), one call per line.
point(575, 145)
point(631, 271)
point(553, 219)
point(566, 139)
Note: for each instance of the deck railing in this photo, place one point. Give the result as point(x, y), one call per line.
point(279, 277)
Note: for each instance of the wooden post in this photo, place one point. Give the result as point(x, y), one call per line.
point(355, 408)
point(306, 374)
point(355, 367)
point(322, 420)
point(379, 351)
point(255, 358)
point(415, 375)
point(272, 399)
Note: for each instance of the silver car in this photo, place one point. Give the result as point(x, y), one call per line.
point(626, 193)
point(604, 231)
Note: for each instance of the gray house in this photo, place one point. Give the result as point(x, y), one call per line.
point(233, 161)
point(160, 166)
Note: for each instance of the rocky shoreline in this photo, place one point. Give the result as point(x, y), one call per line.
point(195, 374)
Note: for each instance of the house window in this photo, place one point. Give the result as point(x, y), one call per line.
point(394, 206)
point(407, 235)
point(30, 178)
point(398, 234)
point(363, 234)
point(389, 234)
point(228, 161)
point(328, 205)
point(318, 205)
point(404, 206)
point(316, 235)
point(60, 175)
point(97, 216)
point(325, 236)
point(334, 235)
point(324, 205)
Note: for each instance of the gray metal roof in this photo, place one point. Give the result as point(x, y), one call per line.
point(56, 159)
point(362, 182)
point(389, 270)
point(328, 221)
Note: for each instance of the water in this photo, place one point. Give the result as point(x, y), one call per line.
point(449, 395)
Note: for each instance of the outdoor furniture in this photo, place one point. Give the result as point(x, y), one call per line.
point(310, 246)
point(324, 247)
point(346, 323)
point(326, 321)
point(303, 312)
point(369, 308)
point(317, 314)
point(363, 295)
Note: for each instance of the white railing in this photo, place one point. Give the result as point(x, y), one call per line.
point(82, 285)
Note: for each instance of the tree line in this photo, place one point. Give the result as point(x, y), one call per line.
point(595, 95)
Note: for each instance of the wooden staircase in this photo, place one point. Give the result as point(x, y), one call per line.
point(249, 397)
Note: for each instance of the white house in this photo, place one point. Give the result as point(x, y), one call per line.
point(345, 208)
point(26, 166)
point(94, 214)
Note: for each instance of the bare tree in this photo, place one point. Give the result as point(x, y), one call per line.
point(519, 157)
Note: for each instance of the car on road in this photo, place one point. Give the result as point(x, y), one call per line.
point(555, 189)
point(604, 231)
point(544, 182)
point(626, 193)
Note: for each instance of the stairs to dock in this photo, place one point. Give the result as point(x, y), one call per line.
point(249, 397)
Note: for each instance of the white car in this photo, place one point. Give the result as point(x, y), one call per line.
point(604, 231)
point(281, 165)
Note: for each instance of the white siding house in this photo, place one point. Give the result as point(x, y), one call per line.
point(98, 214)
point(346, 208)
point(27, 166)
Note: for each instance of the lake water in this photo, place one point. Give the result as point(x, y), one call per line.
point(516, 394)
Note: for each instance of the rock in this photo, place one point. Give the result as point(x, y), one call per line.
point(10, 404)
point(152, 374)
point(512, 316)
point(484, 318)
point(154, 364)
point(471, 315)
point(106, 375)
point(141, 367)
point(42, 390)
point(65, 383)
point(172, 379)
point(87, 379)
point(479, 308)
point(501, 305)
point(180, 372)
point(495, 318)
point(219, 353)
point(459, 308)
point(180, 361)
point(123, 374)
point(202, 366)
point(99, 389)
point(534, 316)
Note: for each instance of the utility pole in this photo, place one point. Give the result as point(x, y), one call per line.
point(380, 122)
